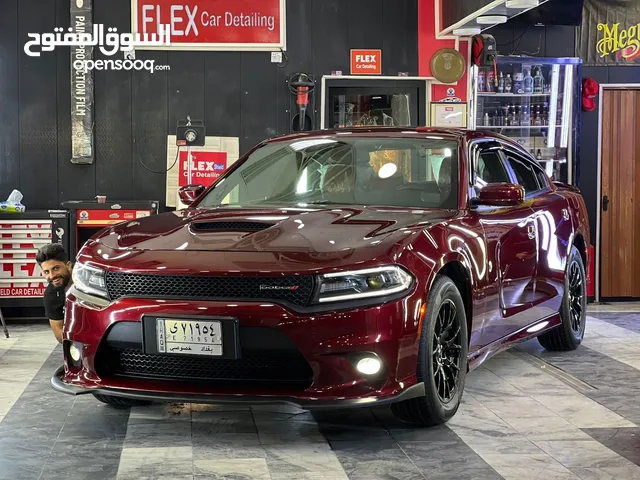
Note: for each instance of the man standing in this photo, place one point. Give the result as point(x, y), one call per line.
point(56, 267)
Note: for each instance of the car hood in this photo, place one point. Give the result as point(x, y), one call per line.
point(313, 230)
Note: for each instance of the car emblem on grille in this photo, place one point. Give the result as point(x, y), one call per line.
point(291, 288)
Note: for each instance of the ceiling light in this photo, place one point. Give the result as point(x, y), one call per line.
point(491, 19)
point(522, 3)
point(466, 32)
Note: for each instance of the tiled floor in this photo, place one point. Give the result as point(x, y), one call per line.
point(527, 414)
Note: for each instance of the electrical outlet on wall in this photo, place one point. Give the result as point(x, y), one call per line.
point(276, 57)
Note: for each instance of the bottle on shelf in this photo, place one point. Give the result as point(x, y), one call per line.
point(501, 83)
point(505, 115)
point(518, 83)
point(545, 114)
point(508, 84)
point(487, 120)
point(537, 119)
point(539, 154)
point(528, 79)
point(525, 117)
point(481, 86)
point(515, 118)
point(538, 81)
point(491, 81)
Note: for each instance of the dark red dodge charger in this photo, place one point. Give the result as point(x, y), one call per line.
point(333, 269)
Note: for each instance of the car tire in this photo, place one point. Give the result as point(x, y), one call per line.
point(573, 311)
point(438, 406)
point(120, 402)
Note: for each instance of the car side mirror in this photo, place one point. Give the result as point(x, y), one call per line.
point(500, 195)
point(190, 193)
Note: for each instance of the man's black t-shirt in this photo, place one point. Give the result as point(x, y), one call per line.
point(54, 302)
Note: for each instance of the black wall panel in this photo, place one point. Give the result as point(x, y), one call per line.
point(238, 94)
point(258, 102)
point(150, 115)
point(330, 42)
point(223, 114)
point(399, 51)
point(9, 101)
point(113, 115)
point(38, 114)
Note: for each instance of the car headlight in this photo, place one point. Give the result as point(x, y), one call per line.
point(89, 280)
point(361, 284)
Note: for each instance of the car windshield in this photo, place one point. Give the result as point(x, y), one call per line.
point(404, 172)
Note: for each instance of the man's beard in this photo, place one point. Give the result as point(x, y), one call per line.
point(64, 278)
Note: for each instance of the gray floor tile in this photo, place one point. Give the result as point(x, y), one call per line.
point(375, 458)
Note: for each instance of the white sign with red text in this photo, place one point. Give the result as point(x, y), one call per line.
point(20, 276)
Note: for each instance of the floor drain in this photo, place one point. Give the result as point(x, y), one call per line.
point(554, 371)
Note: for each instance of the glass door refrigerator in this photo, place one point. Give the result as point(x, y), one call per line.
point(535, 101)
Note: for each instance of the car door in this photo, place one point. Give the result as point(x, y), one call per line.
point(553, 228)
point(511, 251)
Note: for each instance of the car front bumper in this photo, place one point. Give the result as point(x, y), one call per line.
point(327, 344)
point(58, 383)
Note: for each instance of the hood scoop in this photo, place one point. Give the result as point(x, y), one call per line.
point(230, 226)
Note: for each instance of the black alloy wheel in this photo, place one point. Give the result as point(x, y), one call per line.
point(576, 296)
point(446, 351)
point(573, 311)
point(442, 358)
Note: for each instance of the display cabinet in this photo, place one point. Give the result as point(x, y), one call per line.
point(535, 101)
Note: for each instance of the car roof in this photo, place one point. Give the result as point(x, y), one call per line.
point(461, 134)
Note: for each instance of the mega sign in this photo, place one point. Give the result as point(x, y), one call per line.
point(213, 24)
point(624, 42)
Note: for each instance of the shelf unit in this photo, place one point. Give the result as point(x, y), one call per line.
point(540, 110)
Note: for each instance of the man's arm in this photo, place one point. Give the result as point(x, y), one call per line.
point(57, 326)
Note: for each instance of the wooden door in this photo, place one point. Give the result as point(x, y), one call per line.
point(620, 202)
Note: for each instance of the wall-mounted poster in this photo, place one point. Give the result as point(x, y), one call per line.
point(207, 164)
point(610, 32)
point(449, 115)
point(212, 24)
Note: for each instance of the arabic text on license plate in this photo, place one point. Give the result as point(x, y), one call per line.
point(190, 337)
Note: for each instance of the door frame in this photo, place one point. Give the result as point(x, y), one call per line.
point(603, 87)
point(428, 81)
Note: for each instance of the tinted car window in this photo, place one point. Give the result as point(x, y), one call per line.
point(490, 169)
point(403, 172)
point(525, 175)
point(543, 179)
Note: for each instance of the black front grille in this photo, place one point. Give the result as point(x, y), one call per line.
point(230, 226)
point(284, 368)
point(296, 290)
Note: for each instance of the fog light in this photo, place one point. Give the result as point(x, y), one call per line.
point(75, 353)
point(369, 366)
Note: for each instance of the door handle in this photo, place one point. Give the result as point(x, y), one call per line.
point(605, 203)
point(531, 231)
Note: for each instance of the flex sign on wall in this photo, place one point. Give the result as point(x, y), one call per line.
point(366, 62)
point(206, 167)
point(213, 24)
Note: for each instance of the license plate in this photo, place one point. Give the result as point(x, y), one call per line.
point(189, 337)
